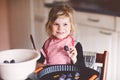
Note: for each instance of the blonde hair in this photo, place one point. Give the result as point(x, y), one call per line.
point(59, 11)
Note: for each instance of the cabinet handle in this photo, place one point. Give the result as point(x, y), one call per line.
point(93, 20)
point(105, 33)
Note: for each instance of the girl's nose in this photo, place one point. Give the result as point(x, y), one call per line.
point(60, 27)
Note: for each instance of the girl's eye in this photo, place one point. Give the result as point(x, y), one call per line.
point(55, 24)
point(65, 24)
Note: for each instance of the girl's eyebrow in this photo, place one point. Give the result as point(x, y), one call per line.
point(56, 22)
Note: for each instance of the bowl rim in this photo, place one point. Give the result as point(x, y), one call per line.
point(31, 50)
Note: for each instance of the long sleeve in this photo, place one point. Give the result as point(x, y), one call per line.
point(80, 58)
point(41, 59)
point(86, 72)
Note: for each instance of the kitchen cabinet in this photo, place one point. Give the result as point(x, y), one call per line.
point(19, 23)
point(99, 40)
point(94, 39)
point(40, 15)
point(117, 24)
point(118, 48)
point(118, 58)
point(95, 20)
point(26, 17)
point(96, 32)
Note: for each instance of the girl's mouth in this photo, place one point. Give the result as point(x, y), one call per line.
point(60, 32)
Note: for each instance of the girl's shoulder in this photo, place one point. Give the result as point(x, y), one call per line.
point(76, 42)
point(46, 43)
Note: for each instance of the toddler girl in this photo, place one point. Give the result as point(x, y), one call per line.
point(60, 47)
point(60, 28)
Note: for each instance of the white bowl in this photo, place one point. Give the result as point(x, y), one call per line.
point(25, 63)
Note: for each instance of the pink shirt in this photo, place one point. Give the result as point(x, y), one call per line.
point(54, 52)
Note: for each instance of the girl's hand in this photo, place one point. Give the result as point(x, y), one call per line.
point(72, 53)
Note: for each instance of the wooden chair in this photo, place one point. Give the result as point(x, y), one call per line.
point(99, 64)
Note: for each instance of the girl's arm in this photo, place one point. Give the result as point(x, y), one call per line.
point(76, 54)
point(90, 73)
point(42, 58)
point(40, 61)
point(80, 59)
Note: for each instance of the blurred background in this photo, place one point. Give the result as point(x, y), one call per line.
point(97, 25)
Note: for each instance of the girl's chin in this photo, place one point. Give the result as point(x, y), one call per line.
point(61, 37)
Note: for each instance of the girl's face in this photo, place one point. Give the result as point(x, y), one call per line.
point(61, 27)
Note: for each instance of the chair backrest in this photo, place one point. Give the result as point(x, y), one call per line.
point(102, 58)
point(97, 61)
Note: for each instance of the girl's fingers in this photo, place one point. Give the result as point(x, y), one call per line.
point(72, 51)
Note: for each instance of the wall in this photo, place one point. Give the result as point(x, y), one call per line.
point(20, 23)
point(4, 33)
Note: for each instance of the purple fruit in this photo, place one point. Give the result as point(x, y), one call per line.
point(5, 61)
point(66, 48)
point(12, 61)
